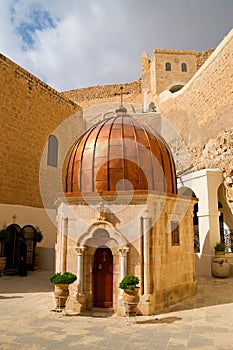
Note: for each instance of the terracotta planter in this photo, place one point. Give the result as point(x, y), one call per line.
point(2, 263)
point(220, 254)
point(61, 293)
point(131, 300)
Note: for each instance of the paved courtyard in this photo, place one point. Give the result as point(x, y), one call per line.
point(204, 321)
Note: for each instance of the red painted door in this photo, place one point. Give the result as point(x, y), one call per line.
point(103, 277)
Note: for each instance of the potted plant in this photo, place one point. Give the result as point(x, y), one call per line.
point(61, 292)
point(4, 238)
point(130, 297)
point(220, 267)
point(220, 248)
point(39, 237)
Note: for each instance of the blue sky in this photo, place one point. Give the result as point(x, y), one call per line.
point(37, 20)
point(77, 43)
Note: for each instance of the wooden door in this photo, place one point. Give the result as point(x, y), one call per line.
point(103, 277)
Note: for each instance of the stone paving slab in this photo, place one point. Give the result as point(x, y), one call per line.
point(203, 322)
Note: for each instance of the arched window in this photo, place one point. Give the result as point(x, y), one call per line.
point(184, 67)
point(175, 88)
point(168, 66)
point(52, 151)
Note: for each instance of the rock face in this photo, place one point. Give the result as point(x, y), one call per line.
point(217, 153)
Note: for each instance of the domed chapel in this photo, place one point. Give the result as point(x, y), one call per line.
point(118, 211)
point(120, 214)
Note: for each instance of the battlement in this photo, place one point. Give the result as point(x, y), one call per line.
point(95, 95)
point(172, 51)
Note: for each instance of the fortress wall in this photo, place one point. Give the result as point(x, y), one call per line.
point(30, 111)
point(202, 114)
point(205, 105)
point(95, 95)
point(202, 57)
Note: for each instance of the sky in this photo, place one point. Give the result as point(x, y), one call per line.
point(71, 44)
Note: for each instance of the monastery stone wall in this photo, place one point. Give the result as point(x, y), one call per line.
point(30, 111)
point(202, 112)
point(202, 57)
point(95, 95)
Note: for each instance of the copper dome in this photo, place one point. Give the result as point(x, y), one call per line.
point(120, 154)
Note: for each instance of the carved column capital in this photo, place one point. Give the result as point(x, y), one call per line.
point(80, 250)
point(123, 251)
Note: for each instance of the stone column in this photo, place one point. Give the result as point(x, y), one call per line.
point(123, 262)
point(80, 269)
point(64, 232)
point(146, 243)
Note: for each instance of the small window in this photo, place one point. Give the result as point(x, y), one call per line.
point(184, 67)
point(52, 151)
point(175, 233)
point(168, 66)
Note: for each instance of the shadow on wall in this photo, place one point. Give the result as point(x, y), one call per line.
point(203, 260)
point(46, 258)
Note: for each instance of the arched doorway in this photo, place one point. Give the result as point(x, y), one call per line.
point(12, 249)
point(29, 234)
point(103, 277)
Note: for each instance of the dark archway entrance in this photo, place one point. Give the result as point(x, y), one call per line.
point(20, 249)
point(12, 249)
point(103, 277)
point(29, 234)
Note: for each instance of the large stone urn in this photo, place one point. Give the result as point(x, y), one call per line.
point(220, 267)
point(131, 300)
point(61, 294)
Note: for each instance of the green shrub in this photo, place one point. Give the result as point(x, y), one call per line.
point(39, 235)
point(4, 235)
point(220, 247)
point(129, 282)
point(63, 278)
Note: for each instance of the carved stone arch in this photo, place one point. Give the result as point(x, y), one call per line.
point(114, 235)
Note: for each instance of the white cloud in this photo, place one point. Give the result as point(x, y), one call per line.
point(82, 43)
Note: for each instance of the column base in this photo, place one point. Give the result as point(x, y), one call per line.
point(146, 306)
point(77, 303)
